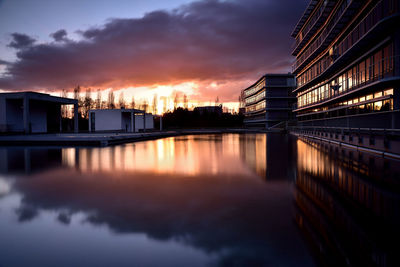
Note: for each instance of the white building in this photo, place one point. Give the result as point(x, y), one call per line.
point(124, 120)
point(32, 112)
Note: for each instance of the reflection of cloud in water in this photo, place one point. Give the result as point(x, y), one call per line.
point(228, 215)
point(5, 187)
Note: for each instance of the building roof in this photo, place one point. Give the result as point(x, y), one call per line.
point(39, 96)
point(120, 109)
point(288, 75)
point(311, 6)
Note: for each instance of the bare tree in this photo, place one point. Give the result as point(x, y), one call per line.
point(111, 100)
point(121, 101)
point(155, 104)
point(133, 104)
point(217, 101)
point(176, 100)
point(87, 103)
point(98, 99)
point(77, 92)
point(77, 96)
point(164, 99)
point(144, 106)
point(64, 108)
point(185, 101)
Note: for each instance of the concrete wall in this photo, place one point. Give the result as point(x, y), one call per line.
point(3, 118)
point(14, 115)
point(126, 121)
point(108, 120)
point(139, 122)
point(38, 116)
point(117, 120)
point(149, 121)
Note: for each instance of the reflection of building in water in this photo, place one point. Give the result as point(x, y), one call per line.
point(191, 155)
point(28, 160)
point(268, 155)
point(348, 209)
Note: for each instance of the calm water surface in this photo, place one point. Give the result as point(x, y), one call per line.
point(206, 200)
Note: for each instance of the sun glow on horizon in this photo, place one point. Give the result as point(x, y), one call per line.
point(157, 99)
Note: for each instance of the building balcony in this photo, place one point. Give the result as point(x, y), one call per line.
point(379, 80)
point(312, 26)
point(345, 13)
point(374, 25)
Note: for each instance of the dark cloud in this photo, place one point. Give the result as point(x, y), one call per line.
point(59, 36)
point(3, 62)
point(204, 41)
point(21, 41)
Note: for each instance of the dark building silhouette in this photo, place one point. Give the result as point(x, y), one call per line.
point(268, 102)
point(347, 64)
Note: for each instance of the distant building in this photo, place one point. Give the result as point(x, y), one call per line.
point(31, 112)
point(123, 120)
point(269, 101)
point(348, 64)
point(209, 109)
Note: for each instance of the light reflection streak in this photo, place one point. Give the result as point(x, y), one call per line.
point(189, 155)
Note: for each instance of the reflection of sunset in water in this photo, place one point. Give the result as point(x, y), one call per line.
point(189, 155)
point(230, 199)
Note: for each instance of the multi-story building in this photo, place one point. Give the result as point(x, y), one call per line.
point(268, 101)
point(347, 64)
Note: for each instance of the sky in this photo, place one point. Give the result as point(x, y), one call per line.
point(204, 49)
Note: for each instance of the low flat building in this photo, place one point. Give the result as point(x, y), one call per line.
point(120, 120)
point(31, 112)
point(209, 109)
point(268, 102)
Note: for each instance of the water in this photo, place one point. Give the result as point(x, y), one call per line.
point(205, 200)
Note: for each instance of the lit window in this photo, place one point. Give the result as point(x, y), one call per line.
point(389, 92)
point(378, 105)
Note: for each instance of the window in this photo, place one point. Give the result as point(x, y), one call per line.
point(361, 67)
point(388, 92)
point(349, 79)
point(377, 64)
point(378, 105)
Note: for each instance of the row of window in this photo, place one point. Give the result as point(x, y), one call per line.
point(318, 41)
point(383, 9)
point(255, 98)
point(255, 88)
point(358, 105)
point(377, 66)
point(309, 24)
point(256, 107)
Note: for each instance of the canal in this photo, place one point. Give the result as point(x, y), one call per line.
point(201, 200)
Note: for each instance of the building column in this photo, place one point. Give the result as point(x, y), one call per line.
point(76, 124)
point(26, 115)
point(132, 121)
point(144, 121)
point(90, 122)
point(160, 123)
point(60, 110)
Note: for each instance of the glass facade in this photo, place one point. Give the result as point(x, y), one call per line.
point(349, 67)
point(377, 66)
